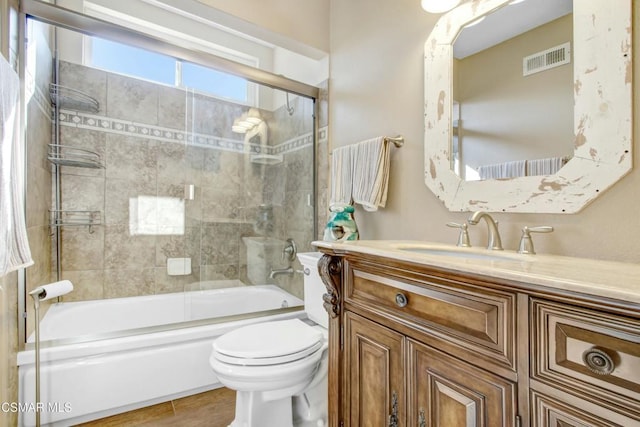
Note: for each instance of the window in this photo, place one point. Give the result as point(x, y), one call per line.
point(132, 61)
point(215, 82)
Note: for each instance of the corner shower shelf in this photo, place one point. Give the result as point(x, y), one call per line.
point(72, 99)
point(65, 155)
point(64, 218)
point(267, 159)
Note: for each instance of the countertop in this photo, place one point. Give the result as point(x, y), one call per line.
point(609, 279)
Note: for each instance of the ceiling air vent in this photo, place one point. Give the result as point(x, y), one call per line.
point(546, 59)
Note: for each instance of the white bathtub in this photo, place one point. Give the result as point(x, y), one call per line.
point(83, 378)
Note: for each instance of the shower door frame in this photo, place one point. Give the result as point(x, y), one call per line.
point(71, 20)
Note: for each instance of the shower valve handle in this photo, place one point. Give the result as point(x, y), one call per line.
point(289, 251)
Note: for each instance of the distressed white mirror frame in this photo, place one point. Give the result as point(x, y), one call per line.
point(602, 115)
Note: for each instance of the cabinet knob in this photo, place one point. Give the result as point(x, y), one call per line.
point(401, 300)
point(598, 361)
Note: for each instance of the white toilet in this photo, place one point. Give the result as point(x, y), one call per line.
point(279, 368)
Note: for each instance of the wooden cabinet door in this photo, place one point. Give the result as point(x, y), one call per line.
point(446, 392)
point(374, 374)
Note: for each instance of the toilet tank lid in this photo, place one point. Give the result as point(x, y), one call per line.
point(309, 257)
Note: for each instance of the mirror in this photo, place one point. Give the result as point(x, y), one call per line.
point(504, 89)
point(599, 149)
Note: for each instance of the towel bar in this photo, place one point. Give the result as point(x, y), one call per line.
point(398, 141)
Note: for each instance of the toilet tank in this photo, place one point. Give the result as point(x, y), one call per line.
point(313, 288)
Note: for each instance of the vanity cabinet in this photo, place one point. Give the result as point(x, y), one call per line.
point(418, 345)
point(441, 389)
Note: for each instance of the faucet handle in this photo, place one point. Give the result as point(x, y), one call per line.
point(289, 251)
point(526, 243)
point(463, 237)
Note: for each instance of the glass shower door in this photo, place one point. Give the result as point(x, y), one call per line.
point(189, 189)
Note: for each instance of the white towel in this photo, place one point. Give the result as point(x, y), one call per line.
point(503, 170)
point(341, 175)
point(547, 166)
point(514, 169)
point(371, 173)
point(489, 171)
point(14, 246)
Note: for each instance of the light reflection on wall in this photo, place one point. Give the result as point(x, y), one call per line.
point(152, 215)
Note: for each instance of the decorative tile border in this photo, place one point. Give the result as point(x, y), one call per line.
point(323, 133)
point(138, 130)
point(293, 144)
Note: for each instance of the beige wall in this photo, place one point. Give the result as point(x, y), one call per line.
point(304, 21)
point(8, 345)
point(377, 88)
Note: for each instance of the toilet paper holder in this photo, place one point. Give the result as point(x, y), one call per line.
point(43, 293)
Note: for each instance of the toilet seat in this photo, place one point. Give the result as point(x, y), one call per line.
point(268, 343)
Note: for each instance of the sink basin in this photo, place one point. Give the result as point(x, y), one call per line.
point(460, 253)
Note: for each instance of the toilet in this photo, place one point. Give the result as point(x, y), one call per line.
point(279, 368)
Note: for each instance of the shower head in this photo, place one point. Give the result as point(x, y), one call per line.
point(290, 109)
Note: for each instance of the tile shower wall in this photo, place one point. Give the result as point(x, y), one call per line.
point(39, 182)
point(154, 140)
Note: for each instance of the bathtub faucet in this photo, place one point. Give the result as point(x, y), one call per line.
point(281, 271)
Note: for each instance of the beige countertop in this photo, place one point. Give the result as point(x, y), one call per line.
point(610, 279)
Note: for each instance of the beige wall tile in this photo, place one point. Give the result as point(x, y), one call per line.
point(129, 283)
point(87, 284)
point(124, 251)
point(81, 249)
point(132, 99)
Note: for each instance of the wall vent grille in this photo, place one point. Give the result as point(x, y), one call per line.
point(550, 58)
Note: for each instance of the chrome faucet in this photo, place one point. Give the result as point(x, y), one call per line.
point(281, 271)
point(288, 254)
point(493, 242)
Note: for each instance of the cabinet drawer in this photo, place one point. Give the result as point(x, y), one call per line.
point(479, 324)
point(548, 411)
point(588, 353)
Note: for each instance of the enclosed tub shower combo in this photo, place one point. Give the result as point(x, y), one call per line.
point(152, 348)
point(175, 209)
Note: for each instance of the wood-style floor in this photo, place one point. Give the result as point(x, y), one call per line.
point(214, 408)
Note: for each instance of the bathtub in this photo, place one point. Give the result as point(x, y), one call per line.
point(100, 358)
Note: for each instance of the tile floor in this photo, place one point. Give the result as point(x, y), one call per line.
point(211, 409)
